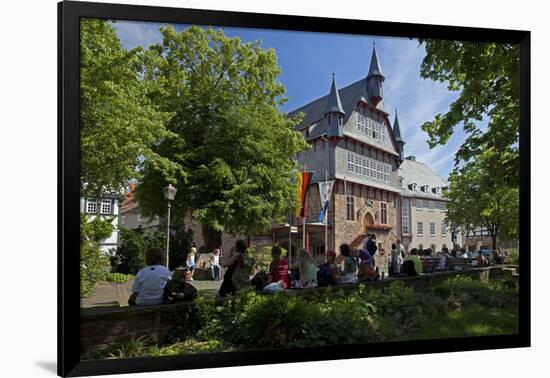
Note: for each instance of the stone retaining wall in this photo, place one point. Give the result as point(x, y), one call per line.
point(100, 327)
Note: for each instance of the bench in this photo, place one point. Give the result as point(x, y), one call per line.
point(430, 265)
point(458, 263)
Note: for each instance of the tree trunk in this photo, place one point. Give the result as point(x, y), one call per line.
point(212, 238)
point(494, 238)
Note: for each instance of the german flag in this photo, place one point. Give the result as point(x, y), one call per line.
point(304, 179)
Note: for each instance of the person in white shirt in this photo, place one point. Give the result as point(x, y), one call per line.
point(149, 283)
point(215, 264)
point(190, 262)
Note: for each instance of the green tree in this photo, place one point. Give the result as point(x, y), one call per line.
point(129, 257)
point(93, 263)
point(487, 77)
point(118, 122)
point(231, 149)
point(478, 198)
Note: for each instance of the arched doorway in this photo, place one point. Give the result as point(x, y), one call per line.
point(368, 221)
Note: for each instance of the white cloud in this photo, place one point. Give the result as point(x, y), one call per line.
point(137, 33)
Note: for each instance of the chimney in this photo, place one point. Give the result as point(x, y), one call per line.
point(411, 158)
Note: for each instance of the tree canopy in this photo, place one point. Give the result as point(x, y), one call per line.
point(478, 198)
point(119, 124)
point(487, 76)
point(231, 150)
point(484, 185)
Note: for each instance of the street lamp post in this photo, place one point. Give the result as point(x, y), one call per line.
point(327, 145)
point(169, 195)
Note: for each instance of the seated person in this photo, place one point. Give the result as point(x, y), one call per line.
point(409, 268)
point(349, 273)
point(294, 277)
point(366, 272)
point(416, 261)
point(307, 269)
point(278, 268)
point(149, 283)
point(328, 272)
point(178, 289)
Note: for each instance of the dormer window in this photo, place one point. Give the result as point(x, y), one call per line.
point(436, 190)
point(412, 186)
point(400, 182)
point(424, 188)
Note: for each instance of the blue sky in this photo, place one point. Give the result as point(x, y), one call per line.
point(308, 60)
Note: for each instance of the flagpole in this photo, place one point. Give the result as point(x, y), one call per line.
point(326, 216)
point(289, 239)
point(304, 218)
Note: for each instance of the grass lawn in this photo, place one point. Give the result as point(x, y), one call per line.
point(472, 321)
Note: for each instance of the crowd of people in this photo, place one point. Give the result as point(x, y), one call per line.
point(155, 284)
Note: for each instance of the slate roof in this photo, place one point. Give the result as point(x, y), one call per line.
point(314, 112)
point(374, 69)
point(334, 105)
point(420, 174)
point(397, 129)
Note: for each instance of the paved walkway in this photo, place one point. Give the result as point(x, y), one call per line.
point(116, 295)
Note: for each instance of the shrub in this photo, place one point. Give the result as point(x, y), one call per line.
point(463, 291)
point(129, 257)
point(134, 348)
point(93, 263)
point(514, 256)
point(267, 320)
point(118, 277)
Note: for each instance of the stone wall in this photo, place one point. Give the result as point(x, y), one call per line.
point(100, 327)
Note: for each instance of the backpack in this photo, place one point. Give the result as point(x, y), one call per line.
point(178, 290)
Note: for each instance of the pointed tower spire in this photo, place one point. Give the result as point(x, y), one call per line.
point(396, 129)
point(334, 105)
point(334, 113)
point(397, 136)
point(375, 78)
point(374, 69)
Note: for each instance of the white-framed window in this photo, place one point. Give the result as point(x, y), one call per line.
point(431, 204)
point(400, 182)
point(368, 167)
point(350, 208)
point(123, 219)
point(106, 206)
point(91, 206)
point(350, 162)
point(383, 213)
point(361, 123)
point(412, 186)
point(419, 228)
point(443, 229)
point(419, 204)
point(370, 127)
point(432, 229)
point(405, 217)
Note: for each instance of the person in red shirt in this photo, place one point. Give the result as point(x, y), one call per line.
point(278, 268)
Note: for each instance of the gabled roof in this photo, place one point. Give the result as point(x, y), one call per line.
point(374, 69)
point(334, 105)
point(419, 174)
point(314, 112)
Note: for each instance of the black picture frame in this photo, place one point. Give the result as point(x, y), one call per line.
point(69, 14)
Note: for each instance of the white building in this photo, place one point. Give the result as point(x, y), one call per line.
point(423, 206)
point(107, 207)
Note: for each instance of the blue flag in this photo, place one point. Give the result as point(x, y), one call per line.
point(323, 212)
